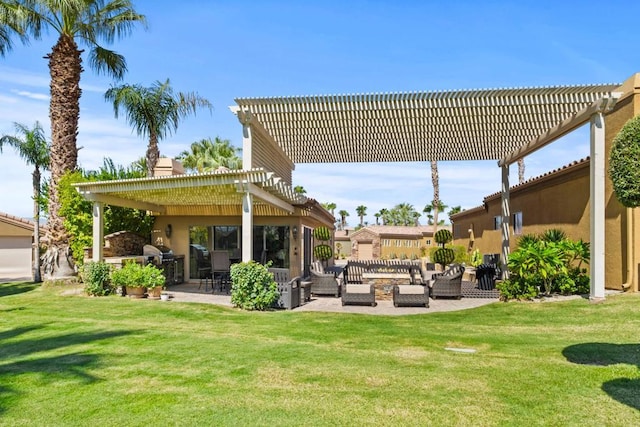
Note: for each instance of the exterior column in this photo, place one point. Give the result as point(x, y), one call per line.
point(597, 206)
point(247, 227)
point(98, 231)
point(506, 217)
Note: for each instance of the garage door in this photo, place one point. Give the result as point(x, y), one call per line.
point(365, 251)
point(15, 257)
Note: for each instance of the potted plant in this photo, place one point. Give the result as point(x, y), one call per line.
point(135, 279)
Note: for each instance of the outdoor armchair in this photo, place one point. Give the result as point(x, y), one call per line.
point(404, 295)
point(358, 294)
point(448, 283)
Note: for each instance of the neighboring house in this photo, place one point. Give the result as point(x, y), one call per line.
point(342, 243)
point(16, 237)
point(391, 241)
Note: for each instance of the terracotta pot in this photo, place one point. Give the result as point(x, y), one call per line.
point(135, 292)
point(154, 293)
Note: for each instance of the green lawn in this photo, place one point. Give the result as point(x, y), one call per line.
point(72, 360)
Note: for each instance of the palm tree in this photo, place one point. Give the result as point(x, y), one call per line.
point(520, 171)
point(361, 211)
point(343, 218)
point(89, 21)
point(154, 112)
point(331, 207)
point(377, 215)
point(435, 180)
point(384, 214)
point(299, 189)
point(207, 155)
point(430, 208)
point(34, 149)
point(454, 210)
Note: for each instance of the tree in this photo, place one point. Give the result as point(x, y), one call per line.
point(520, 171)
point(377, 215)
point(624, 163)
point(361, 211)
point(331, 207)
point(401, 214)
point(207, 155)
point(32, 146)
point(87, 21)
point(154, 112)
point(299, 189)
point(430, 209)
point(454, 210)
point(384, 214)
point(343, 218)
point(435, 180)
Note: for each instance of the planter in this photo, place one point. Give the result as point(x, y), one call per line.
point(164, 297)
point(154, 293)
point(135, 292)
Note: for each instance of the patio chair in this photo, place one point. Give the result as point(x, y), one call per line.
point(289, 289)
point(221, 269)
point(358, 294)
point(410, 295)
point(323, 283)
point(353, 272)
point(448, 283)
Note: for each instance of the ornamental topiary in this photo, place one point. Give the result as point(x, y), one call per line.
point(323, 252)
point(253, 286)
point(444, 256)
point(624, 163)
point(322, 233)
point(443, 236)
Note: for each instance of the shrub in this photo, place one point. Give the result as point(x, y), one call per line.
point(476, 258)
point(624, 163)
point(444, 256)
point(547, 263)
point(135, 275)
point(443, 236)
point(322, 252)
point(460, 255)
point(252, 286)
point(95, 276)
point(322, 233)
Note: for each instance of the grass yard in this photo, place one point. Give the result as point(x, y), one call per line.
point(111, 361)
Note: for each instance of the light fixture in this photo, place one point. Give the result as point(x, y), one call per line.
point(168, 229)
point(294, 232)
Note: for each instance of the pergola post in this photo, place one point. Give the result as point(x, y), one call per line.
point(247, 141)
point(247, 227)
point(98, 231)
point(597, 206)
point(506, 216)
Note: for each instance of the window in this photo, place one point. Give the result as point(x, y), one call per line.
point(497, 222)
point(386, 242)
point(517, 223)
point(428, 242)
point(398, 243)
point(271, 243)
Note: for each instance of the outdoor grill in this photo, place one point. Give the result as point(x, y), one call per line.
point(158, 255)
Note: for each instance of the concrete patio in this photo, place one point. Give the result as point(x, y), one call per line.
point(193, 293)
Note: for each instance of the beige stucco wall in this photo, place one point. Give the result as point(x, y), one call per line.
point(14, 230)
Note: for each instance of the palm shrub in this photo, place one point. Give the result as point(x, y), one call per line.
point(95, 276)
point(253, 286)
point(547, 263)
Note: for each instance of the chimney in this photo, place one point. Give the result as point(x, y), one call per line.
point(167, 166)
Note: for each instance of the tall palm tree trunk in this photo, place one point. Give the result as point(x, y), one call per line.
point(520, 171)
point(65, 66)
point(153, 153)
point(36, 226)
point(435, 180)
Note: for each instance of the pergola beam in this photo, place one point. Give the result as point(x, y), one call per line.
point(118, 201)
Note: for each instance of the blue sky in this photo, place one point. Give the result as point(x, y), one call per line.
point(228, 49)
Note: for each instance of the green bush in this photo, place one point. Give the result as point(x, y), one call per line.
point(321, 233)
point(624, 163)
point(476, 258)
point(444, 256)
point(323, 252)
point(443, 236)
point(460, 255)
point(95, 276)
point(135, 275)
point(548, 263)
point(252, 286)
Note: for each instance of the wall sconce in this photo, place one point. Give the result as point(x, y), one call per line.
point(294, 232)
point(167, 231)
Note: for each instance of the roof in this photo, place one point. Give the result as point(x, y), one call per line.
point(17, 221)
point(217, 192)
point(577, 164)
point(481, 124)
point(397, 230)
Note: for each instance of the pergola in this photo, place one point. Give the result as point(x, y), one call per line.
point(494, 124)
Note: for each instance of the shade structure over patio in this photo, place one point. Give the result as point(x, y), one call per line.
point(491, 124)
